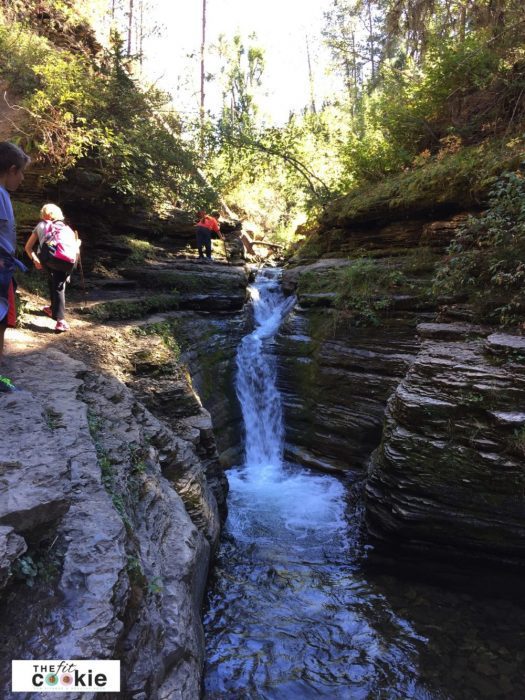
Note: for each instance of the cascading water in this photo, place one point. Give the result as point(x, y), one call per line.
point(291, 615)
point(256, 381)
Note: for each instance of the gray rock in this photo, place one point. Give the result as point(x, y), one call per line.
point(335, 382)
point(12, 546)
point(449, 475)
point(132, 562)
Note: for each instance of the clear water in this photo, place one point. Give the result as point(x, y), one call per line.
point(290, 613)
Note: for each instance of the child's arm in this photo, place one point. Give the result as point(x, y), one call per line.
point(33, 238)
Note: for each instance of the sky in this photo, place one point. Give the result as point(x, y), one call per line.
point(281, 27)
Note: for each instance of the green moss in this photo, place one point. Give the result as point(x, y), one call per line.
point(164, 330)
point(141, 251)
point(363, 288)
point(318, 282)
point(457, 181)
point(127, 310)
point(27, 215)
point(211, 381)
point(181, 281)
point(460, 179)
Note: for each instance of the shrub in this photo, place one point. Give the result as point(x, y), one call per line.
point(486, 258)
point(365, 288)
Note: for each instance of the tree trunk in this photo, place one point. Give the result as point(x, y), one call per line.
point(130, 25)
point(371, 40)
point(203, 48)
point(310, 78)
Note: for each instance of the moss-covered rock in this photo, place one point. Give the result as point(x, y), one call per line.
point(454, 183)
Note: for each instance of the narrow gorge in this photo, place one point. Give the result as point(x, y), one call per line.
point(376, 461)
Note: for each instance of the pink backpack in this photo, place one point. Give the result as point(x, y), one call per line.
point(59, 247)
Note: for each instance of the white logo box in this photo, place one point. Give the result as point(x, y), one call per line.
point(61, 676)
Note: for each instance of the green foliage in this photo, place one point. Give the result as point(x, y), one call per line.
point(365, 288)
point(361, 290)
point(76, 107)
point(407, 111)
point(460, 178)
point(25, 568)
point(37, 565)
point(486, 259)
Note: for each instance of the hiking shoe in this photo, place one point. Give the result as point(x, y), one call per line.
point(48, 312)
point(6, 385)
point(61, 326)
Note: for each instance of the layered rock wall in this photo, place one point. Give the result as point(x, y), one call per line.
point(110, 517)
point(448, 480)
point(335, 380)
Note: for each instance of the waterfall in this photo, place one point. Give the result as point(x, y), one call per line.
point(256, 379)
point(263, 488)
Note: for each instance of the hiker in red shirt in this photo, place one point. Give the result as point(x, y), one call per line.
point(204, 228)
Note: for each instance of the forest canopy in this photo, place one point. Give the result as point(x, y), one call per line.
point(418, 81)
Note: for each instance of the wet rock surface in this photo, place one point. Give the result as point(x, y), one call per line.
point(210, 343)
point(449, 477)
point(12, 546)
point(201, 286)
point(335, 385)
point(336, 373)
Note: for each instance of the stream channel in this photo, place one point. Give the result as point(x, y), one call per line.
point(292, 614)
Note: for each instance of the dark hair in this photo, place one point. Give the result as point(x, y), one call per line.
point(12, 155)
point(215, 214)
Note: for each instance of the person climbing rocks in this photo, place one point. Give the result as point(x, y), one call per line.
point(204, 228)
point(13, 162)
point(52, 218)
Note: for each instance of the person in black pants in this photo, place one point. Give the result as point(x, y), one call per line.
point(57, 279)
point(204, 228)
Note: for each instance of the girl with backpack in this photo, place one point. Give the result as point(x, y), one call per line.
point(58, 249)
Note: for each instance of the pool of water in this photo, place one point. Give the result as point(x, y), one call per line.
point(291, 613)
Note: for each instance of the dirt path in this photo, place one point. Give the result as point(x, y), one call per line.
point(101, 346)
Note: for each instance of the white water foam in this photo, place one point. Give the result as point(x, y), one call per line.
point(296, 500)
